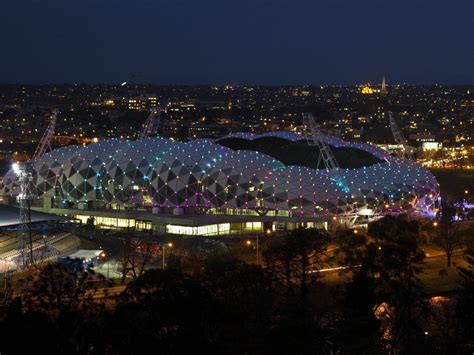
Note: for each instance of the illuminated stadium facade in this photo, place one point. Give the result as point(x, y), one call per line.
point(268, 181)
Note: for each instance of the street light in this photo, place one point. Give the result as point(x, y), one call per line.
point(169, 245)
point(103, 255)
point(248, 242)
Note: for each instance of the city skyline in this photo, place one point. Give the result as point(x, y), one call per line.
point(237, 177)
point(250, 43)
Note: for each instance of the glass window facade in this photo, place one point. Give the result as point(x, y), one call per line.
point(213, 229)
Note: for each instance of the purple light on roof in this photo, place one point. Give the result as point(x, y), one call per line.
point(250, 173)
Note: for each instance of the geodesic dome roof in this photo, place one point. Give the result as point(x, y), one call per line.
point(206, 173)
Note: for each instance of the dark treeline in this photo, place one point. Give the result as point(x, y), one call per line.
point(284, 306)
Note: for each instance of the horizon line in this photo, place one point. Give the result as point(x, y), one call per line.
point(233, 84)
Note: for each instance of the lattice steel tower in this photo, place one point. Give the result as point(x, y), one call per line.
point(45, 142)
point(25, 241)
point(315, 138)
point(406, 151)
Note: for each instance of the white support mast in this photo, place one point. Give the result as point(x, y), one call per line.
point(45, 142)
point(406, 151)
point(314, 138)
point(150, 128)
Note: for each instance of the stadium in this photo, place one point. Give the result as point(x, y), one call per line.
point(239, 183)
point(49, 235)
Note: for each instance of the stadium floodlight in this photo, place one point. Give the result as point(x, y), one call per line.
point(16, 168)
point(25, 243)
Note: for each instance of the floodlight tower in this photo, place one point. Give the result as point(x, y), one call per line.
point(150, 128)
point(314, 138)
point(399, 138)
point(25, 241)
point(24, 177)
point(45, 142)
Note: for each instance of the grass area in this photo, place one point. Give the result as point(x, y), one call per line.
point(437, 278)
point(453, 182)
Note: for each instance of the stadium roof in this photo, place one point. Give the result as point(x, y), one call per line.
point(10, 216)
point(275, 172)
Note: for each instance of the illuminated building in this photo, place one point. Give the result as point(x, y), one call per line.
point(367, 90)
point(140, 103)
point(220, 186)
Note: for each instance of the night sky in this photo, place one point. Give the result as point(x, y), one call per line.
point(237, 42)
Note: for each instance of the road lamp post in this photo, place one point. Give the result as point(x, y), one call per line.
point(169, 245)
point(248, 242)
point(258, 258)
point(103, 255)
point(163, 266)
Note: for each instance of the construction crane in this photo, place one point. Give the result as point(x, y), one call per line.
point(150, 128)
point(406, 151)
point(25, 241)
point(45, 142)
point(314, 138)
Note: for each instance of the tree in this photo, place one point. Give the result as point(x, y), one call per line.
point(358, 330)
point(279, 261)
point(396, 259)
point(65, 301)
point(243, 297)
point(351, 249)
point(161, 311)
point(295, 260)
point(465, 305)
point(137, 255)
point(446, 235)
point(54, 287)
point(442, 326)
point(6, 292)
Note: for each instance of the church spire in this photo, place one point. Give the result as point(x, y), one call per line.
point(383, 89)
